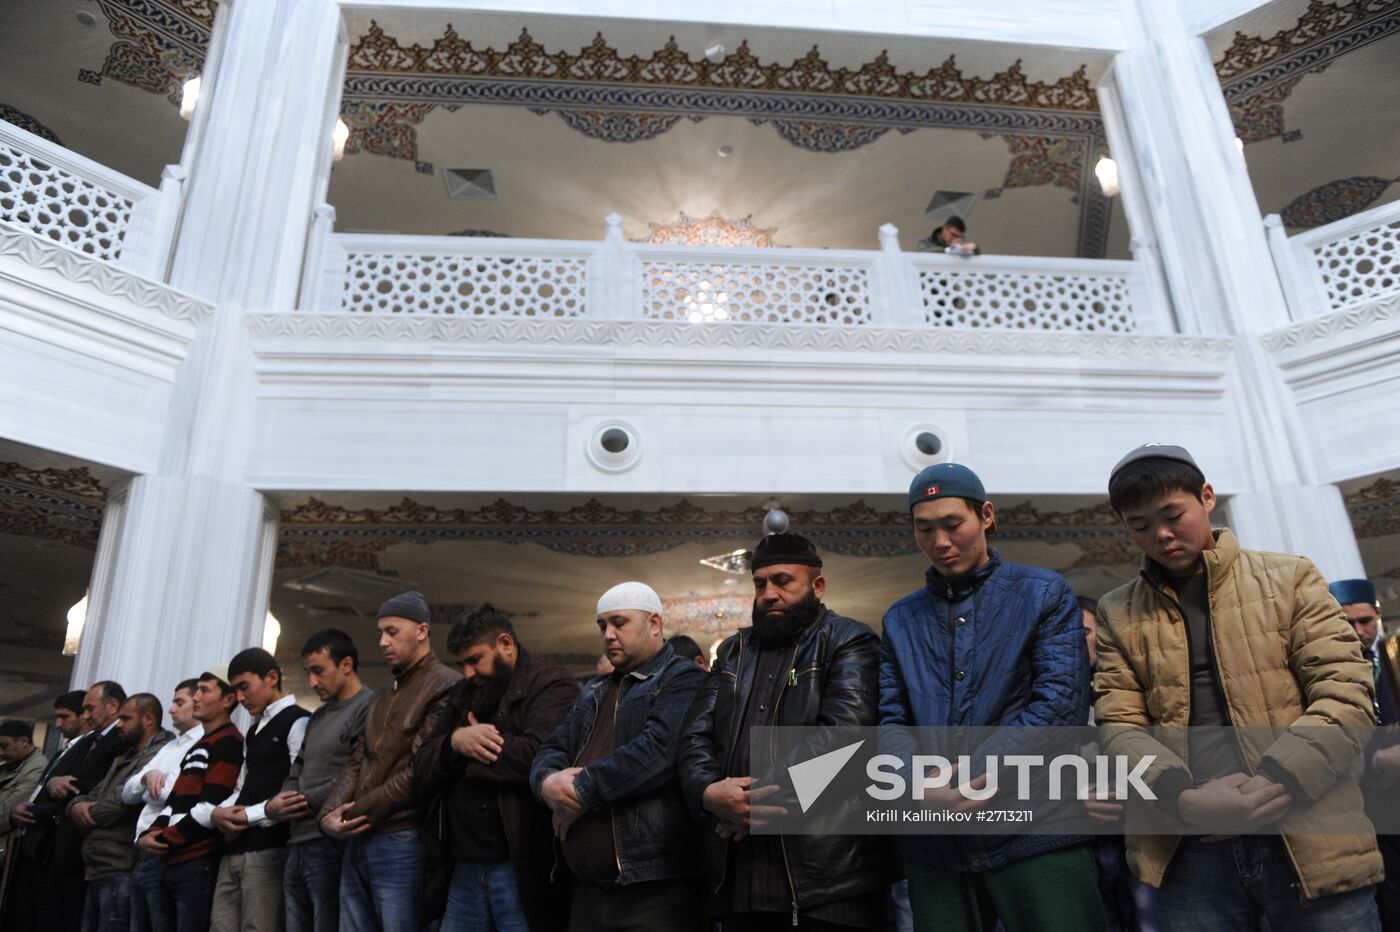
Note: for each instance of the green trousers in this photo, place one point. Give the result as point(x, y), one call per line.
point(1053, 892)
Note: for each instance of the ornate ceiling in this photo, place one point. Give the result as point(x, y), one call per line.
point(828, 136)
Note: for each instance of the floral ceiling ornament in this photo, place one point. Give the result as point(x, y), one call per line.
point(1041, 160)
point(1334, 201)
point(51, 504)
point(713, 230)
point(1259, 72)
point(1375, 508)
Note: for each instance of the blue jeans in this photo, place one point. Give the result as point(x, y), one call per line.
point(483, 898)
point(1243, 882)
point(379, 881)
point(190, 884)
point(108, 904)
point(311, 885)
point(151, 907)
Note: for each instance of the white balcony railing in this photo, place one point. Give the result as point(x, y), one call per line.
point(486, 277)
point(72, 200)
point(1354, 260)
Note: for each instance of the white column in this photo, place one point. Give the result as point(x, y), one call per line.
point(183, 583)
point(1170, 131)
point(1187, 192)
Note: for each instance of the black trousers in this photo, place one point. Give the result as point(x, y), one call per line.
point(649, 906)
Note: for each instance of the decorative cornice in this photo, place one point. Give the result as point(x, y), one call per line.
point(739, 70)
point(316, 533)
point(1248, 54)
point(40, 253)
point(1375, 508)
point(666, 334)
point(1311, 333)
point(51, 504)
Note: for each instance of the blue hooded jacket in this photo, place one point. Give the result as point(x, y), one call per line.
point(1005, 646)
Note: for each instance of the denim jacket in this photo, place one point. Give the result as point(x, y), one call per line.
point(655, 835)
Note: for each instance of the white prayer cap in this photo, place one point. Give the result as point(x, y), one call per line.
point(630, 596)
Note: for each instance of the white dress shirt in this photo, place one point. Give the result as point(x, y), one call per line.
point(256, 813)
point(167, 761)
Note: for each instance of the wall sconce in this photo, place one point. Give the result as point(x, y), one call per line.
point(339, 135)
point(1106, 170)
point(189, 96)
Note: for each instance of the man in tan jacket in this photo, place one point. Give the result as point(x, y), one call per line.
point(1212, 634)
point(374, 804)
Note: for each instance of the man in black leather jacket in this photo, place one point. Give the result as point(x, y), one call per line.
point(799, 664)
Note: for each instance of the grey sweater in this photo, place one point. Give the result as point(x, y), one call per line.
point(330, 737)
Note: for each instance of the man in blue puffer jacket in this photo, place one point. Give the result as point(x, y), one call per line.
point(986, 642)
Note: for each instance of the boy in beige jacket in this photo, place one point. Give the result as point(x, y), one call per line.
point(1211, 634)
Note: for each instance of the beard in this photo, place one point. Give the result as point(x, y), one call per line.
point(785, 629)
point(486, 698)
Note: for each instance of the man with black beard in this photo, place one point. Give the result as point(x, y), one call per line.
point(799, 664)
point(488, 830)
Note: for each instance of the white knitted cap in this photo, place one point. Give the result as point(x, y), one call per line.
point(630, 596)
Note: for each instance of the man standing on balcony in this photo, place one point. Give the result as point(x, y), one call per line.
point(373, 804)
point(799, 664)
point(608, 772)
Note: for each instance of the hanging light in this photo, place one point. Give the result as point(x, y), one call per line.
point(1239, 145)
point(77, 617)
point(189, 96)
point(339, 135)
point(1106, 170)
point(272, 630)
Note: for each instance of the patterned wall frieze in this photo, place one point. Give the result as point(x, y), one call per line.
point(666, 334)
point(1258, 73)
point(1310, 334)
point(51, 504)
point(316, 533)
point(1375, 508)
point(40, 253)
point(740, 70)
point(711, 230)
point(1335, 200)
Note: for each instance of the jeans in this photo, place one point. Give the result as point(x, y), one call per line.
point(1248, 883)
point(151, 907)
point(483, 898)
point(108, 904)
point(311, 885)
point(190, 884)
point(379, 880)
point(647, 906)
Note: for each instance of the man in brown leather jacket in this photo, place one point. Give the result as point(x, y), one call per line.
point(373, 804)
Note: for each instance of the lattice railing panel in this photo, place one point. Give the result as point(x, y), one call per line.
point(758, 292)
point(1026, 301)
point(60, 205)
point(1361, 266)
point(476, 286)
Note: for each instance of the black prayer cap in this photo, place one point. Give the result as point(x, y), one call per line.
point(784, 548)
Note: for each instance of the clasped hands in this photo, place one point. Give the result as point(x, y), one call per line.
point(734, 801)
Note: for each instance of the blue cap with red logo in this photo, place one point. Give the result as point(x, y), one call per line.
point(946, 480)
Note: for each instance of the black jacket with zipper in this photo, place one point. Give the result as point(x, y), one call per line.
point(835, 682)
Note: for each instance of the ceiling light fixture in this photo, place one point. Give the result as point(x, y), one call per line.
point(715, 53)
point(339, 135)
point(1106, 170)
point(736, 562)
point(189, 96)
point(1239, 145)
point(724, 152)
point(85, 17)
